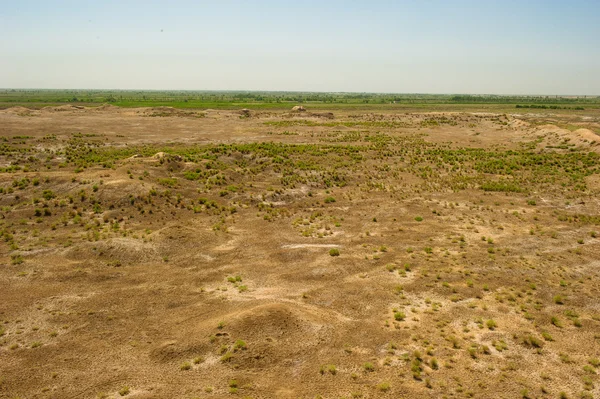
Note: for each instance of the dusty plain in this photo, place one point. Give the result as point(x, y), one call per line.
point(165, 253)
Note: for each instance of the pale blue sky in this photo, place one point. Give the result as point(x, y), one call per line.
point(422, 46)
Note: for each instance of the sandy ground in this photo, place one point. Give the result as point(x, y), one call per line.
point(212, 274)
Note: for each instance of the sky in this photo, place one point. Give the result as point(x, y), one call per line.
point(418, 46)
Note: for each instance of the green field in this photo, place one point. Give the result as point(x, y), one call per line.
point(282, 100)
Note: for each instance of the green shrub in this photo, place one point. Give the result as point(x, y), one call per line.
point(240, 345)
point(48, 194)
point(558, 299)
point(16, 259)
point(328, 368)
point(556, 321)
point(546, 335)
point(434, 363)
point(384, 387)
point(399, 316)
point(501, 187)
point(186, 366)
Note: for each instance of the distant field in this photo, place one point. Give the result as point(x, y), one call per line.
point(283, 100)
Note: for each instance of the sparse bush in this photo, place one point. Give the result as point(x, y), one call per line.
point(16, 259)
point(328, 368)
point(227, 357)
point(555, 321)
point(500, 345)
point(399, 316)
point(559, 300)
point(240, 345)
point(384, 386)
point(532, 341)
point(48, 195)
point(186, 366)
point(434, 363)
point(546, 335)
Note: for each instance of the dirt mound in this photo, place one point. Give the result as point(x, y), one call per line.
point(169, 110)
point(164, 155)
point(518, 123)
point(115, 251)
point(63, 108)
point(170, 352)
point(181, 241)
point(549, 128)
point(275, 333)
point(587, 134)
point(105, 107)
point(278, 321)
point(166, 112)
point(18, 110)
point(580, 136)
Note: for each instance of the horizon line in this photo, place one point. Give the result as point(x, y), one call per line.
point(306, 92)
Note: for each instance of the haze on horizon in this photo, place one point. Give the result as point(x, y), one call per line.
point(464, 46)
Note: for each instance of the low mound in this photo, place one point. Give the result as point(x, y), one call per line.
point(63, 108)
point(181, 241)
point(518, 123)
point(172, 351)
point(18, 110)
point(587, 134)
point(106, 107)
point(275, 333)
point(118, 251)
point(276, 321)
point(165, 112)
point(161, 155)
point(164, 109)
